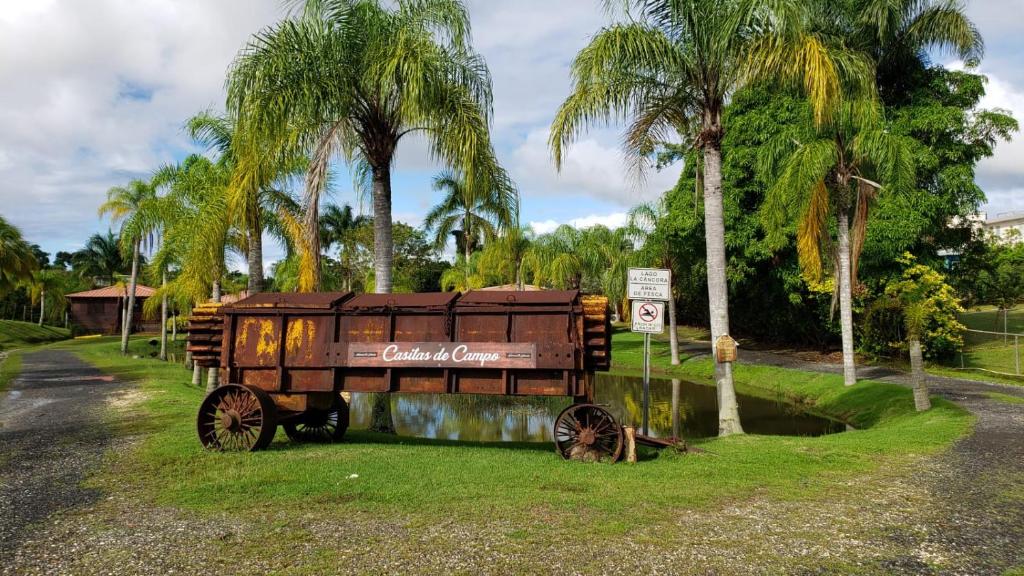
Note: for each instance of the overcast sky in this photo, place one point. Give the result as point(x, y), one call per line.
point(95, 93)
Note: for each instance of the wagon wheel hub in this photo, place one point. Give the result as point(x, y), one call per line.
point(587, 437)
point(231, 420)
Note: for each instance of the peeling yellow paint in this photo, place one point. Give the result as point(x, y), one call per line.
point(242, 333)
point(299, 340)
point(267, 346)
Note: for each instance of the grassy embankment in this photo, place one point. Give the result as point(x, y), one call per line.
point(427, 480)
point(15, 335)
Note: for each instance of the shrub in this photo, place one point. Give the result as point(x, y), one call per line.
point(884, 330)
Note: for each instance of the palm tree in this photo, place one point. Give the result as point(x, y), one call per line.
point(837, 169)
point(198, 229)
point(338, 226)
point(45, 282)
point(253, 202)
point(915, 318)
point(123, 205)
point(352, 78)
point(647, 226)
point(899, 35)
point(100, 258)
point(17, 262)
point(570, 258)
point(671, 69)
point(503, 258)
point(474, 214)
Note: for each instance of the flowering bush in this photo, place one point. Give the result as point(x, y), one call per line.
point(884, 329)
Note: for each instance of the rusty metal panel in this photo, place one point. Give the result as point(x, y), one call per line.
point(515, 298)
point(301, 380)
point(375, 320)
point(540, 383)
point(308, 340)
point(422, 301)
point(472, 327)
point(264, 379)
point(257, 341)
point(480, 382)
point(311, 300)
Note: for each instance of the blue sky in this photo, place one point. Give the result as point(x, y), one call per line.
point(95, 94)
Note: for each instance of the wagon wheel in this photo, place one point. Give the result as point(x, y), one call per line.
point(316, 425)
point(588, 432)
point(234, 417)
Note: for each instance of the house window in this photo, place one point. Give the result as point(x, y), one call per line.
point(96, 307)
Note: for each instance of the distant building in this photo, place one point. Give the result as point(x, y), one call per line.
point(1006, 226)
point(100, 311)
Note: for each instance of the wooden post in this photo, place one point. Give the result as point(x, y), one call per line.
point(630, 444)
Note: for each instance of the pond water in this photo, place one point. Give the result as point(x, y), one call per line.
point(689, 409)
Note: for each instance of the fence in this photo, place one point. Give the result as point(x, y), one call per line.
point(998, 352)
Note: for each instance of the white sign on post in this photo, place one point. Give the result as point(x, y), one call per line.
point(648, 317)
point(650, 284)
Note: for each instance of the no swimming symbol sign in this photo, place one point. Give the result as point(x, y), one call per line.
point(648, 317)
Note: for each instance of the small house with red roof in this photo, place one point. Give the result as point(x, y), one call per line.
point(100, 311)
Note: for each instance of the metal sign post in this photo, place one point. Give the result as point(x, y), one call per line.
point(647, 382)
point(648, 318)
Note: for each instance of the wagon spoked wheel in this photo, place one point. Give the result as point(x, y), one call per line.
point(237, 418)
point(588, 432)
point(317, 425)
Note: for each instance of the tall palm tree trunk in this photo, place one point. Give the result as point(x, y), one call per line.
point(255, 260)
point(163, 318)
point(42, 305)
point(921, 400)
point(718, 288)
point(846, 298)
point(383, 257)
point(130, 308)
point(383, 242)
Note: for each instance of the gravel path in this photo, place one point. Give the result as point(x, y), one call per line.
point(50, 437)
point(978, 486)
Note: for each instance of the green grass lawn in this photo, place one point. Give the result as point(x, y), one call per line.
point(10, 366)
point(988, 357)
point(428, 480)
point(15, 334)
point(1005, 398)
point(991, 320)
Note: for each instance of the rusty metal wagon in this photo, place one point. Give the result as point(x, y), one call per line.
point(286, 359)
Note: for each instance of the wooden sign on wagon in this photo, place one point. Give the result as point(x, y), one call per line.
point(502, 355)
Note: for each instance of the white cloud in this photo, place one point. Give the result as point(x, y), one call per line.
point(1002, 175)
point(613, 220)
point(589, 168)
point(1005, 167)
point(96, 92)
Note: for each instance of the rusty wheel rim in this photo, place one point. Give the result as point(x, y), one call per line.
point(236, 418)
point(588, 432)
point(320, 425)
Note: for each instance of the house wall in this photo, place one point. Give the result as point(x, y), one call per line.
point(103, 316)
